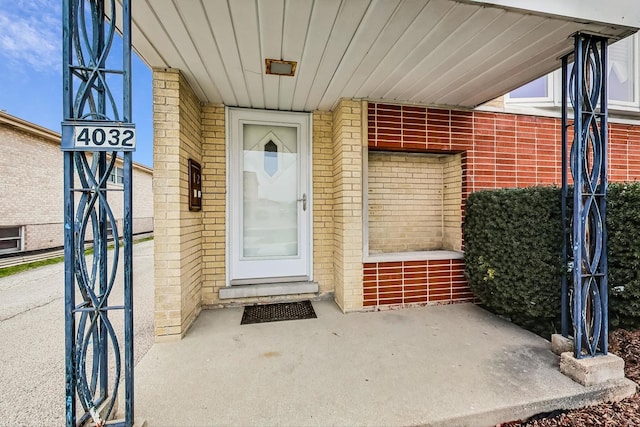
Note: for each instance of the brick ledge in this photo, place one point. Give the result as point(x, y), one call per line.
point(414, 256)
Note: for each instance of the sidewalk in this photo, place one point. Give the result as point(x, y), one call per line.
point(439, 365)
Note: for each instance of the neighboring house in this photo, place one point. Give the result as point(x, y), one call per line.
point(31, 184)
point(338, 141)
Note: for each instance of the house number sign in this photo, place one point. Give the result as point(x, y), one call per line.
point(98, 136)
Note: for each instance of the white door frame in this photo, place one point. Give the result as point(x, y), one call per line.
point(234, 117)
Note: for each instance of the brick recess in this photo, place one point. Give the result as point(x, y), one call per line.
point(498, 151)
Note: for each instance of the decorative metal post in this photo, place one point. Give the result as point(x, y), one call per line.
point(585, 289)
point(564, 295)
point(97, 128)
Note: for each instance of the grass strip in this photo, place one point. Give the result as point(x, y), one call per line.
point(15, 269)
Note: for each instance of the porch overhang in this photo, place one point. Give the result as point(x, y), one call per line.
point(439, 52)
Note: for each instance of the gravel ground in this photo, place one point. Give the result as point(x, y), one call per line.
point(32, 384)
point(625, 344)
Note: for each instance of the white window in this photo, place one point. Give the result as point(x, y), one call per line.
point(117, 176)
point(11, 239)
point(622, 74)
point(539, 92)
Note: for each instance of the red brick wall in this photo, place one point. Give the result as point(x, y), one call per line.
point(499, 151)
point(406, 282)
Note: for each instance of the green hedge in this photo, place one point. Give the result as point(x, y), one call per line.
point(513, 254)
point(623, 228)
point(513, 248)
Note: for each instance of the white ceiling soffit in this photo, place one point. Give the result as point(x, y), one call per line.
point(442, 52)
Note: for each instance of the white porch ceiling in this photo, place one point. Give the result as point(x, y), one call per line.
point(443, 52)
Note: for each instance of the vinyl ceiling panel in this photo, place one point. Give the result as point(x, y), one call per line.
point(443, 52)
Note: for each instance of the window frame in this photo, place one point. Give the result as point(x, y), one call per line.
point(19, 239)
point(116, 176)
point(541, 101)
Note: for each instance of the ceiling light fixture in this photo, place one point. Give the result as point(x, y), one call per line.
point(280, 68)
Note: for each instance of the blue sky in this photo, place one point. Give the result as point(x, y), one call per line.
point(31, 70)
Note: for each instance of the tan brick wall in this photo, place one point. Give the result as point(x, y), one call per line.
point(213, 202)
point(142, 199)
point(452, 202)
point(405, 202)
point(178, 244)
point(31, 189)
point(497, 103)
point(45, 236)
point(323, 228)
point(347, 203)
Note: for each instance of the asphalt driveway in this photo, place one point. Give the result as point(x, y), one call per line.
point(32, 362)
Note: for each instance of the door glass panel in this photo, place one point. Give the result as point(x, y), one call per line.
point(270, 192)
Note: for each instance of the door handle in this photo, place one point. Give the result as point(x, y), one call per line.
point(304, 201)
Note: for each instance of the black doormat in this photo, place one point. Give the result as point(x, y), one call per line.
point(277, 312)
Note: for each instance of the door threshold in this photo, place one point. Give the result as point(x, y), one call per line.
point(268, 290)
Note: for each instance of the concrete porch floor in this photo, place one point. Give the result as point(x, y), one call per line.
point(438, 365)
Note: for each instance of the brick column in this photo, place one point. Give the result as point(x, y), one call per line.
point(177, 138)
point(347, 203)
point(323, 201)
point(214, 202)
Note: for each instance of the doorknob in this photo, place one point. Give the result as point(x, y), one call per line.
point(304, 201)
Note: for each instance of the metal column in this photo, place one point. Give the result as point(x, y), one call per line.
point(584, 287)
point(96, 131)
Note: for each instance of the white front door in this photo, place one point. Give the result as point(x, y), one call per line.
point(269, 195)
